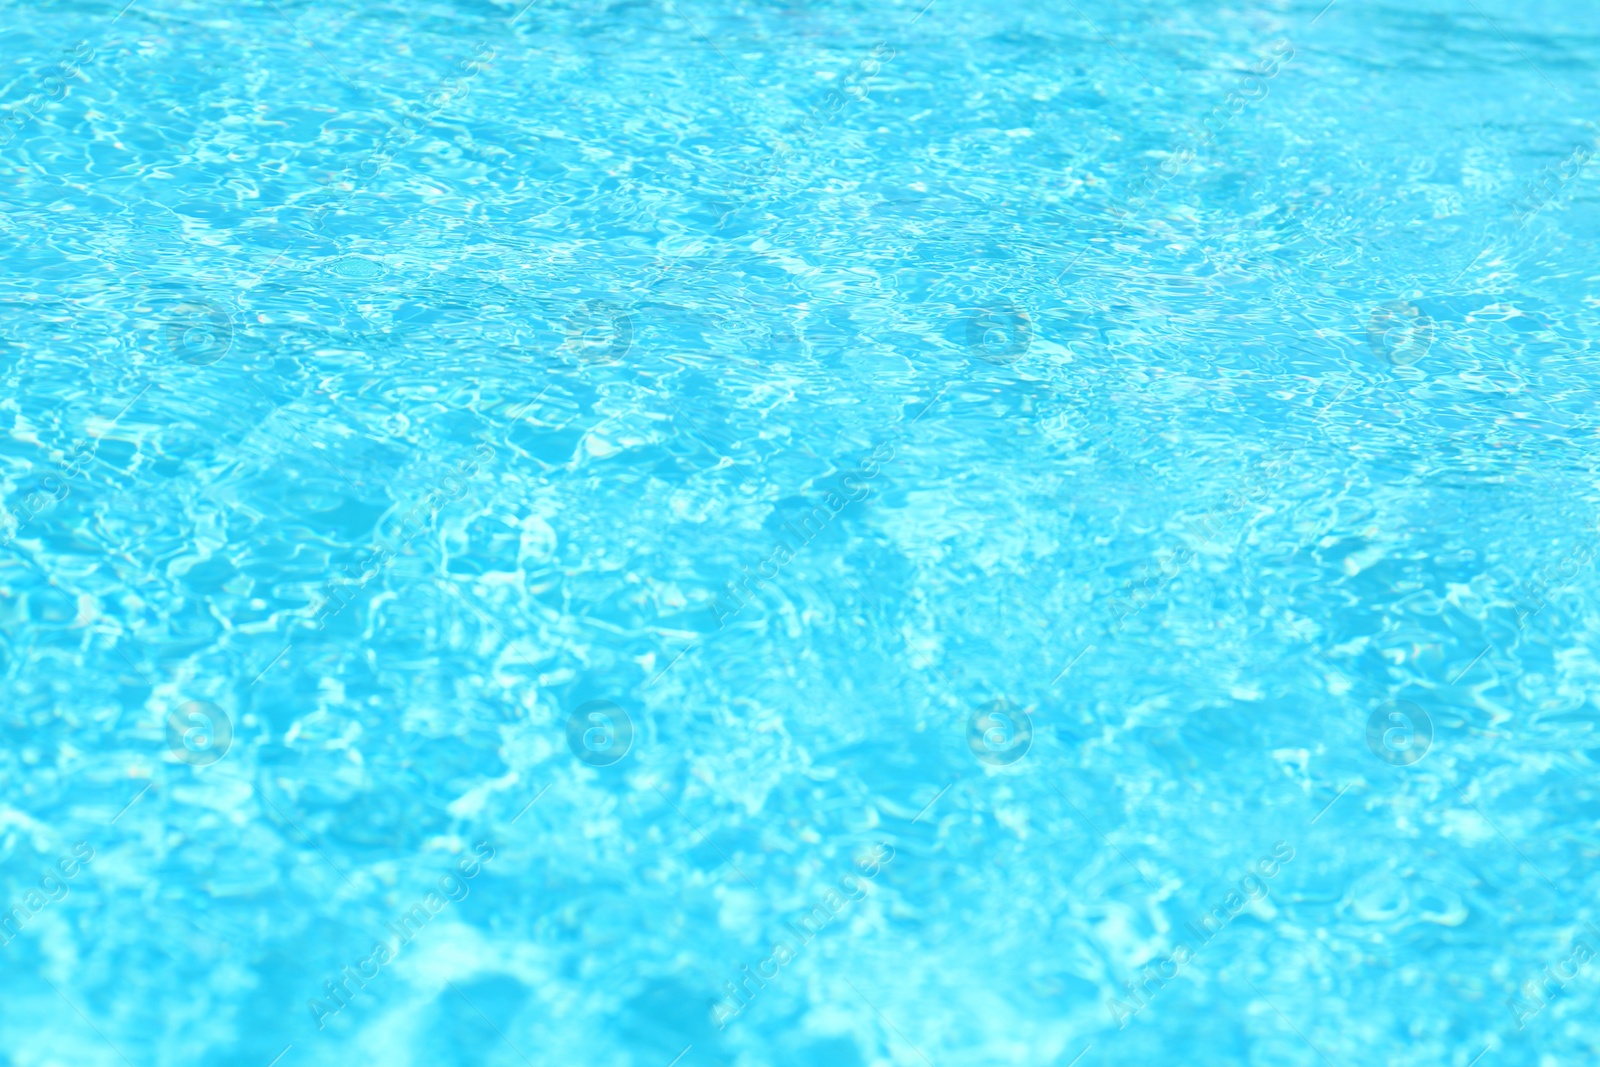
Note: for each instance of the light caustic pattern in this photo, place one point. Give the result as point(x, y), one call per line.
point(693, 534)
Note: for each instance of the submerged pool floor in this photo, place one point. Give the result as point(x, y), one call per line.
point(673, 534)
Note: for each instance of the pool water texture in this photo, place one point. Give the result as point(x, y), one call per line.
point(672, 534)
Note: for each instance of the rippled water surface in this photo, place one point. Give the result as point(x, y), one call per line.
point(835, 534)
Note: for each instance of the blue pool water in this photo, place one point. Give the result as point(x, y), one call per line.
point(672, 534)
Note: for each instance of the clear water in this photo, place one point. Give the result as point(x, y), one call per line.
point(835, 534)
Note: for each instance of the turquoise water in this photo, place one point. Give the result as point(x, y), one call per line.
point(676, 534)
